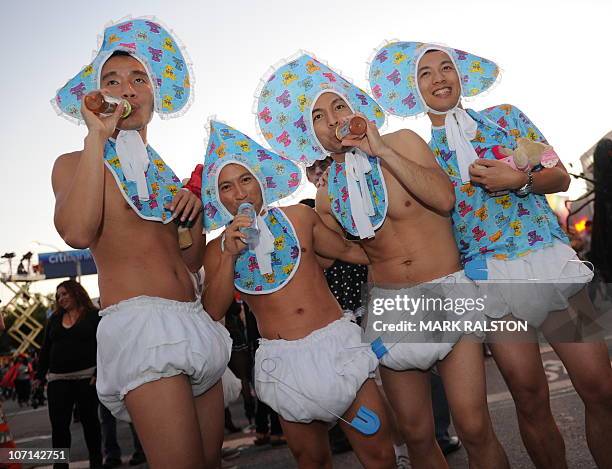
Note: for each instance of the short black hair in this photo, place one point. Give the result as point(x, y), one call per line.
point(120, 53)
point(309, 202)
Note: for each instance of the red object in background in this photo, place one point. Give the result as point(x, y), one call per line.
point(8, 380)
point(195, 181)
point(6, 440)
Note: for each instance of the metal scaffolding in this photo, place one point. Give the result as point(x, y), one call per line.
point(22, 305)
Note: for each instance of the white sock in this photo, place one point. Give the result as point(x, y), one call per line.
point(401, 450)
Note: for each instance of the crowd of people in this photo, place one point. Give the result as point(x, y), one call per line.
point(63, 374)
point(459, 215)
point(16, 378)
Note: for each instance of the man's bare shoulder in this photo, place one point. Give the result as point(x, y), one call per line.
point(68, 158)
point(66, 162)
point(411, 146)
point(298, 211)
point(64, 167)
point(300, 215)
point(402, 137)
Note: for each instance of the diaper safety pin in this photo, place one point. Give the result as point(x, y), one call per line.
point(365, 421)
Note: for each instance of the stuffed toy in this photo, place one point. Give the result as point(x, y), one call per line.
point(527, 155)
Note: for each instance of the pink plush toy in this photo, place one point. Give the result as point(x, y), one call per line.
point(527, 155)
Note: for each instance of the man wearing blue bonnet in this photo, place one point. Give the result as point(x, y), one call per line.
point(389, 192)
point(160, 356)
point(311, 366)
point(506, 233)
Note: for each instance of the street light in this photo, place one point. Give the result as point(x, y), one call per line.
point(74, 259)
point(9, 256)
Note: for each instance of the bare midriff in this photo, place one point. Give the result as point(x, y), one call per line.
point(412, 251)
point(415, 243)
point(303, 305)
point(136, 257)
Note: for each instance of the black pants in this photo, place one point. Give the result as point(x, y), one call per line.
point(241, 365)
point(62, 396)
point(261, 420)
point(23, 388)
point(109, 435)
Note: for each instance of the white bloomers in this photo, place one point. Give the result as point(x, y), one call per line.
point(532, 286)
point(144, 339)
point(420, 348)
point(302, 378)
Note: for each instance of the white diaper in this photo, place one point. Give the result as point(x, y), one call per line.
point(532, 286)
point(144, 339)
point(232, 387)
point(299, 379)
point(421, 349)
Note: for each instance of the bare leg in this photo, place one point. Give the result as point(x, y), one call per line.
point(165, 418)
point(209, 409)
point(521, 366)
point(374, 451)
point(395, 433)
point(588, 366)
point(463, 374)
point(410, 397)
point(308, 443)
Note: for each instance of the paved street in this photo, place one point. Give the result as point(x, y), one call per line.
point(566, 405)
point(31, 428)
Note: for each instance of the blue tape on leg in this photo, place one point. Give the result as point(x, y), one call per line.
point(378, 347)
point(477, 269)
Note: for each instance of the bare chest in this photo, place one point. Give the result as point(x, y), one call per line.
point(402, 205)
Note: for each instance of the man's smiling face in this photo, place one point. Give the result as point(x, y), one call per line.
point(438, 81)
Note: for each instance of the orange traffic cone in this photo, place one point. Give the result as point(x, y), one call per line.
point(6, 440)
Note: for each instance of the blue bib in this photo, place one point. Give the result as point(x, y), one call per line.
point(339, 197)
point(285, 259)
point(161, 182)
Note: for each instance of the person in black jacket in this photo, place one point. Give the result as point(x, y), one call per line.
point(68, 358)
point(601, 241)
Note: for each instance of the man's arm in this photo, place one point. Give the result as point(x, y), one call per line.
point(218, 290)
point(219, 265)
point(329, 244)
point(324, 262)
point(550, 180)
point(194, 254)
point(78, 183)
point(323, 209)
point(188, 208)
point(496, 175)
point(412, 163)
point(545, 181)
